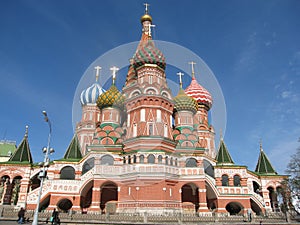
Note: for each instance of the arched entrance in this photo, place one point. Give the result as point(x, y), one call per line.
point(65, 205)
point(273, 199)
point(109, 192)
point(45, 203)
point(234, 208)
point(86, 196)
point(16, 183)
point(255, 207)
point(190, 193)
point(211, 197)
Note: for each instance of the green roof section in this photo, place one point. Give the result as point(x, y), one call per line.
point(74, 150)
point(223, 157)
point(264, 165)
point(23, 153)
point(7, 148)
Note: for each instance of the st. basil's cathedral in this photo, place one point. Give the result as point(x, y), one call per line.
point(139, 150)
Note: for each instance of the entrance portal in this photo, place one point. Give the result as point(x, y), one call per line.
point(190, 193)
point(109, 192)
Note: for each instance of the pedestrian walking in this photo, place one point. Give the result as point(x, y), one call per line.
point(21, 215)
point(249, 213)
point(54, 218)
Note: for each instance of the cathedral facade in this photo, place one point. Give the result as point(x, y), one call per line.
point(139, 150)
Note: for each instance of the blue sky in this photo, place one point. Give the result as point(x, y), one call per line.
point(252, 47)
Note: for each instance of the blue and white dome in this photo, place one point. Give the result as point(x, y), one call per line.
point(91, 94)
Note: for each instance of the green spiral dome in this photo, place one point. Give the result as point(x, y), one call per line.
point(185, 102)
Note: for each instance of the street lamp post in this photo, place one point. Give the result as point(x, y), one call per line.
point(43, 172)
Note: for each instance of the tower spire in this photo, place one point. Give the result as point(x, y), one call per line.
point(260, 146)
point(264, 165)
point(26, 131)
point(221, 134)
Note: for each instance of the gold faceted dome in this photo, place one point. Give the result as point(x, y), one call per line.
point(146, 17)
point(111, 98)
point(184, 102)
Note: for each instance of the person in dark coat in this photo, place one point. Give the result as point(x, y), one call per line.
point(55, 218)
point(21, 215)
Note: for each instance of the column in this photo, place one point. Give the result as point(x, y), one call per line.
point(202, 197)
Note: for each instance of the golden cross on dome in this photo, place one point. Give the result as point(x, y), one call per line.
point(146, 7)
point(180, 78)
point(114, 70)
point(193, 69)
point(97, 68)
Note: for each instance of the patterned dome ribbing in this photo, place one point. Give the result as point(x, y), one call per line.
point(185, 102)
point(91, 94)
point(199, 93)
point(147, 53)
point(111, 98)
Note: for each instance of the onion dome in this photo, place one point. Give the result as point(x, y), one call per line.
point(185, 102)
point(111, 98)
point(147, 53)
point(199, 93)
point(91, 94)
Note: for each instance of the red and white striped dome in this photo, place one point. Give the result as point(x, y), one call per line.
point(199, 93)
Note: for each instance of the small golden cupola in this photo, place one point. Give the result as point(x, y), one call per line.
point(112, 97)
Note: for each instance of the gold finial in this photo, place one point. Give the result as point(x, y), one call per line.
point(180, 79)
point(221, 134)
point(97, 68)
point(193, 69)
point(146, 7)
point(146, 17)
point(260, 145)
point(26, 131)
point(114, 70)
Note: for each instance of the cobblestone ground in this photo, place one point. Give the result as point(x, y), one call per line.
point(10, 222)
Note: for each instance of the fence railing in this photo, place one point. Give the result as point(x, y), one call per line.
point(93, 217)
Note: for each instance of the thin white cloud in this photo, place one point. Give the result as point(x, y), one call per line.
point(286, 94)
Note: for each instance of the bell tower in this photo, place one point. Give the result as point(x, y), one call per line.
point(148, 103)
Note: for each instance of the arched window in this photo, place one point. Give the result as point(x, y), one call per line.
point(236, 180)
point(124, 160)
point(151, 158)
point(208, 168)
point(129, 159)
point(67, 173)
point(134, 158)
point(107, 160)
point(167, 160)
point(225, 181)
point(159, 159)
point(191, 162)
point(142, 158)
point(88, 165)
point(171, 161)
point(176, 162)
